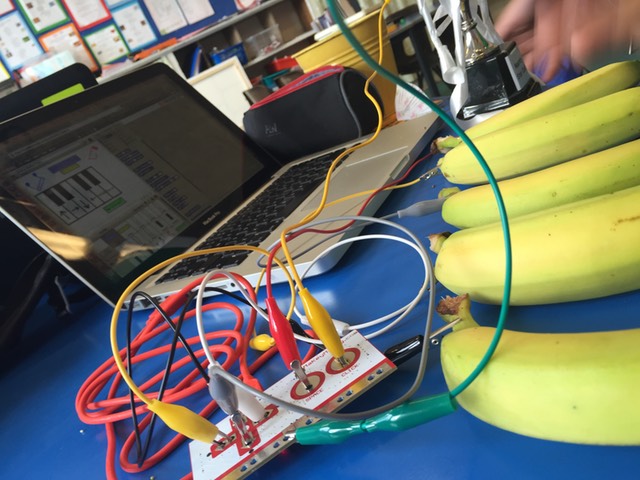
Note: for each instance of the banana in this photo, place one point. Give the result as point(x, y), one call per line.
point(567, 387)
point(581, 250)
point(598, 83)
point(548, 140)
point(607, 171)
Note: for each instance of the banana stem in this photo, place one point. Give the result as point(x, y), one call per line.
point(436, 240)
point(444, 144)
point(457, 310)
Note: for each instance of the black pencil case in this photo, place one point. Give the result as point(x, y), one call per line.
point(319, 110)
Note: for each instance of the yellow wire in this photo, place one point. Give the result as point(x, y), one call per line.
point(369, 192)
point(325, 192)
point(119, 304)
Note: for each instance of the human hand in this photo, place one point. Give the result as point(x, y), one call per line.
point(548, 31)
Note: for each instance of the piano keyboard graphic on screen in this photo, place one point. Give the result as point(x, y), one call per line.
point(79, 195)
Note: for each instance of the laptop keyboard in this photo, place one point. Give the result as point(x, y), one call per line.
point(255, 222)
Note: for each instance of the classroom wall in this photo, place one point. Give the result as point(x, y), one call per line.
point(97, 32)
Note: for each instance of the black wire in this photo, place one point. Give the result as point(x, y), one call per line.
point(297, 329)
point(177, 335)
point(132, 406)
point(167, 371)
point(142, 450)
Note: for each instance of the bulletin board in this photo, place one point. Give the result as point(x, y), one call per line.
point(98, 33)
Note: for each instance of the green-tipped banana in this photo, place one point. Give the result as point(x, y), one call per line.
point(585, 249)
point(607, 171)
point(548, 140)
point(567, 387)
point(596, 84)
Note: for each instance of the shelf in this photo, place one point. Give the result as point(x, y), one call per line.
point(197, 36)
point(281, 48)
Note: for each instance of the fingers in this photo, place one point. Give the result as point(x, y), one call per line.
point(516, 18)
point(549, 37)
point(600, 29)
point(550, 31)
point(536, 27)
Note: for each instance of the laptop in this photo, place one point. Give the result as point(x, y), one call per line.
point(124, 175)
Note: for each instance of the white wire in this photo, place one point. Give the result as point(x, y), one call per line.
point(382, 237)
point(199, 298)
point(403, 311)
point(374, 411)
point(416, 244)
point(200, 322)
point(325, 415)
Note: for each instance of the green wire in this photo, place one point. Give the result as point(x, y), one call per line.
point(380, 70)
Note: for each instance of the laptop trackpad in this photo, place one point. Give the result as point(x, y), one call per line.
point(361, 175)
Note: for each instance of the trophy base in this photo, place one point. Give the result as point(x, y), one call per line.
point(497, 82)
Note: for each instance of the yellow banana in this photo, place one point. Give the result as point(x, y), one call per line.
point(580, 250)
point(607, 171)
point(567, 387)
point(548, 140)
point(598, 83)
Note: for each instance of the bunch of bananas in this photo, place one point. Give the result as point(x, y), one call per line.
point(575, 227)
point(591, 86)
point(586, 115)
point(569, 168)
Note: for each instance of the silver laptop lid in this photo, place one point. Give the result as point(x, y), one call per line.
point(126, 174)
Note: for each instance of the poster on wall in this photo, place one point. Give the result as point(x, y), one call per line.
point(17, 43)
point(106, 44)
point(196, 10)
point(67, 38)
point(166, 14)
point(87, 13)
point(134, 26)
point(43, 15)
point(4, 75)
point(5, 6)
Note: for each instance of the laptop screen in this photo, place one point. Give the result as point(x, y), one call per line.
point(126, 174)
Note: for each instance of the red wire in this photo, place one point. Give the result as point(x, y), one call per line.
point(107, 411)
point(95, 383)
point(177, 439)
point(93, 410)
point(366, 202)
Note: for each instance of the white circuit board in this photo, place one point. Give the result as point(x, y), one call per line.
point(334, 387)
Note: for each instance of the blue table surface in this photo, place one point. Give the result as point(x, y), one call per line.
point(42, 437)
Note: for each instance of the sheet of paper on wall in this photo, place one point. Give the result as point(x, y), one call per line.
point(166, 14)
point(5, 6)
point(115, 3)
point(17, 43)
point(107, 45)
point(4, 75)
point(135, 26)
point(43, 14)
point(196, 10)
point(87, 13)
point(67, 38)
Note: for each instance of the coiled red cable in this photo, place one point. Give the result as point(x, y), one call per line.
point(112, 408)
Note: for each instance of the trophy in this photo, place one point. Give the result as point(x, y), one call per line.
point(489, 75)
